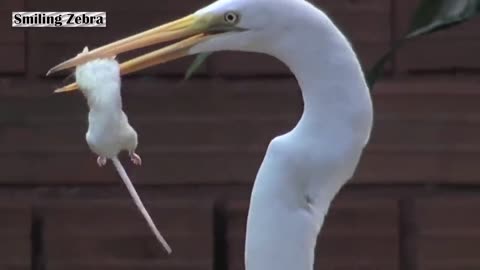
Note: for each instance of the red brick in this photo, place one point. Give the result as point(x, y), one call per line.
point(445, 50)
point(425, 98)
point(420, 126)
point(173, 135)
point(246, 64)
point(429, 166)
point(427, 132)
point(448, 234)
point(378, 165)
point(409, 133)
point(15, 226)
point(20, 266)
point(140, 265)
point(357, 233)
point(17, 217)
point(156, 99)
point(166, 168)
point(176, 7)
point(12, 43)
point(169, 99)
point(360, 233)
point(112, 232)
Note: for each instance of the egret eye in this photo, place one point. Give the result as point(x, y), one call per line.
point(231, 18)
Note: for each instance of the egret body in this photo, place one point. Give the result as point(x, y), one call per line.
point(304, 169)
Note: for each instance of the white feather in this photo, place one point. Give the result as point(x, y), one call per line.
point(304, 169)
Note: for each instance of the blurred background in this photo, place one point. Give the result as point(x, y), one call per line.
point(413, 204)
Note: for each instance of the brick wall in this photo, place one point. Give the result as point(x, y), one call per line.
point(412, 205)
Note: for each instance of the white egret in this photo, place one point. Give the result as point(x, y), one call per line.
point(304, 169)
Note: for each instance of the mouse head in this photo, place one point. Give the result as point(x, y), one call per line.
point(98, 76)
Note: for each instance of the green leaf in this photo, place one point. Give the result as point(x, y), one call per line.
point(435, 15)
point(431, 16)
point(197, 63)
point(378, 69)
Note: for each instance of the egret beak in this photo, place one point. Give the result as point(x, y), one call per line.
point(193, 29)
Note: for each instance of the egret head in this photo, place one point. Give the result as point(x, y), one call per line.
point(251, 24)
point(241, 25)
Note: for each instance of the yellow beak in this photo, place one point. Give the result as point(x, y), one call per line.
point(193, 28)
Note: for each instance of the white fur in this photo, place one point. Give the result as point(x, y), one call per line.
point(109, 131)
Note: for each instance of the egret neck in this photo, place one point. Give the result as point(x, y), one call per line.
point(331, 79)
point(304, 169)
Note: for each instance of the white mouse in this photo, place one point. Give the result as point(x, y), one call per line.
point(109, 131)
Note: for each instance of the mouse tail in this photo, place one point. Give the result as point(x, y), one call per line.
point(138, 202)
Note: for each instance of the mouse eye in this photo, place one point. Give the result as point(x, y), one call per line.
point(231, 17)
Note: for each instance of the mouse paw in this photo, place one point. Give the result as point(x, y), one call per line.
point(136, 159)
point(101, 161)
